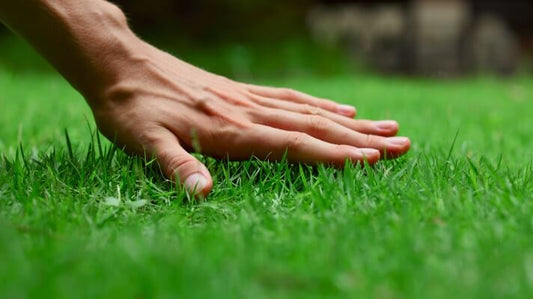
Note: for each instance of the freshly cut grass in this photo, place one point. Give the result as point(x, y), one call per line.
point(453, 218)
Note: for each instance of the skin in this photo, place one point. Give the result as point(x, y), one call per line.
point(151, 103)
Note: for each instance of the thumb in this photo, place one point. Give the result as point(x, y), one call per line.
point(178, 165)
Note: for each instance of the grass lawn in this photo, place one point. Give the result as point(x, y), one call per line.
point(450, 219)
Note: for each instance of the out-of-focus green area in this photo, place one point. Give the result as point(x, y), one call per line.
point(236, 38)
point(211, 21)
point(298, 56)
point(249, 39)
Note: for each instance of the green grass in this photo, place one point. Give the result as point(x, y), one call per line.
point(450, 219)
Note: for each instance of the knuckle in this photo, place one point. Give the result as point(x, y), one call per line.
point(295, 141)
point(318, 124)
point(149, 139)
point(252, 113)
point(343, 153)
point(177, 164)
point(369, 139)
point(259, 100)
point(165, 156)
point(227, 134)
point(289, 93)
point(264, 116)
point(233, 122)
point(310, 109)
point(203, 100)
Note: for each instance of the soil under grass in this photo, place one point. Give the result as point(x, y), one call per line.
point(450, 219)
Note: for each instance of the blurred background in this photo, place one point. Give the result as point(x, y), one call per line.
point(246, 39)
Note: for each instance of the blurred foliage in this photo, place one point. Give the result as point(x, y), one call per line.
point(238, 38)
point(241, 39)
point(212, 21)
point(215, 20)
point(246, 61)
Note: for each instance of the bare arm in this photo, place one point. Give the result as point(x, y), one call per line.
point(86, 41)
point(149, 102)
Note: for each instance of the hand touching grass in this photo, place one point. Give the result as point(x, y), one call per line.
point(151, 103)
point(165, 107)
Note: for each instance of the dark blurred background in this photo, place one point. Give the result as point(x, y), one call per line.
point(243, 38)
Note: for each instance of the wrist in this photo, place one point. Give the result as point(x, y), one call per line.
point(101, 45)
point(86, 41)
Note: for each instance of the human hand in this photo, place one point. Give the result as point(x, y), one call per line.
point(159, 105)
point(151, 103)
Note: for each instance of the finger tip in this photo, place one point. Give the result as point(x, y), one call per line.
point(406, 144)
point(369, 155)
point(198, 184)
point(346, 110)
point(397, 147)
point(387, 127)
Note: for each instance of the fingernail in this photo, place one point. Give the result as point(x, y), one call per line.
point(196, 183)
point(397, 141)
point(386, 124)
point(346, 109)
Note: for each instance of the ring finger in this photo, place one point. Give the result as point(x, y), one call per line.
point(385, 128)
point(331, 132)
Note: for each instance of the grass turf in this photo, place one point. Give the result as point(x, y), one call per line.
point(451, 219)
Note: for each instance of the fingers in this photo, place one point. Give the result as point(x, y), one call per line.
point(332, 132)
point(302, 98)
point(177, 164)
point(272, 143)
point(382, 128)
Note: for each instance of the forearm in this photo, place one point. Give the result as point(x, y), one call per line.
point(86, 41)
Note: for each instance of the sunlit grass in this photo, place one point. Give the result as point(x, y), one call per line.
point(453, 218)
